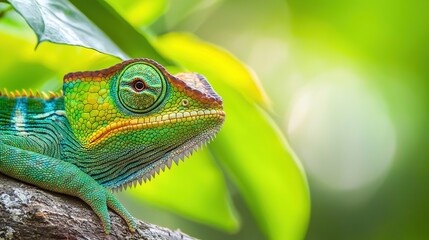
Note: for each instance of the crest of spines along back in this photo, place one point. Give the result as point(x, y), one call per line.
point(31, 94)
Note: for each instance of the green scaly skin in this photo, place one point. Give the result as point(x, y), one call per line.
point(111, 129)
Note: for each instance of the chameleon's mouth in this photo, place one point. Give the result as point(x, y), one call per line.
point(184, 150)
point(152, 122)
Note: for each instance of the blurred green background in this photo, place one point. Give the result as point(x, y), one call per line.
point(346, 83)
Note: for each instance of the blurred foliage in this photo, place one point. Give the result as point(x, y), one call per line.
point(384, 44)
point(250, 160)
point(347, 81)
point(354, 76)
point(139, 13)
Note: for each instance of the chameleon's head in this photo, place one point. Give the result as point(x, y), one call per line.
point(138, 118)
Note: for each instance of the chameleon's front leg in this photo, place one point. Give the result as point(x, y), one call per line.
point(59, 176)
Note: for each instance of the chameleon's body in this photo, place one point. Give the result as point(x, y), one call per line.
point(110, 129)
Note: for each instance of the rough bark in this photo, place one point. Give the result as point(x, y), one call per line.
point(28, 212)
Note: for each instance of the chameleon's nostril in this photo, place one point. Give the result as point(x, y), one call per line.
point(185, 102)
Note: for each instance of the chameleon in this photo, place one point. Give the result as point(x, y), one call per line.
point(106, 130)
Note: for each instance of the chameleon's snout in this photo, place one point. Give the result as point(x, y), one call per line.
point(196, 85)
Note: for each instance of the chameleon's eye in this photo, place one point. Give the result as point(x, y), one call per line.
point(138, 85)
point(141, 87)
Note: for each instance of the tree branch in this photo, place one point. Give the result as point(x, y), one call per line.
point(28, 212)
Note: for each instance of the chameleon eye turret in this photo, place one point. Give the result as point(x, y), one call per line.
point(141, 87)
point(112, 128)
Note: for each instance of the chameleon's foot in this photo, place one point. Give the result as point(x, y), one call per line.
point(99, 199)
point(116, 206)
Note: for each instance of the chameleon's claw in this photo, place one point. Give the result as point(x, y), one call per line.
point(106, 230)
point(132, 227)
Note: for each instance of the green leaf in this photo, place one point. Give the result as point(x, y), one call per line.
point(123, 34)
point(195, 189)
point(214, 62)
point(60, 22)
point(250, 147)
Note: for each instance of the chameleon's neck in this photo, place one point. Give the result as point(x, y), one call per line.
point(108, 168)
point(111, 168)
